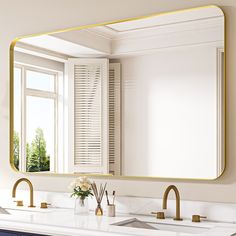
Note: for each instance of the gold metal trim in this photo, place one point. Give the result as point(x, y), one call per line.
point(197, 218)
point(177, 200)
point(164, 179)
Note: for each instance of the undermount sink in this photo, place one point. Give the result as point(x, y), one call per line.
point(16, 210)
point(29, 209)
point(4, 211)
point(135, 223)
point(20, 213)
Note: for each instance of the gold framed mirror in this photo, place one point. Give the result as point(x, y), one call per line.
point(140, 97)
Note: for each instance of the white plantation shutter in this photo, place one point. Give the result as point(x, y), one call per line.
point(114, 118)
point(90, 112)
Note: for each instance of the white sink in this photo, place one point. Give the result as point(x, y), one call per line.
point(12, 210)
point(30, 209)
point(16, 213)
point(181, 228)
point(4, 211)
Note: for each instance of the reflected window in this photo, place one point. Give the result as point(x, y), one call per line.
point(40, 81)
point(35, 119)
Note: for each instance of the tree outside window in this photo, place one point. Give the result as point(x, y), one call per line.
point(36, 153)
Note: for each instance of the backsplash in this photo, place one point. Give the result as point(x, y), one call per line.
point(130, 205)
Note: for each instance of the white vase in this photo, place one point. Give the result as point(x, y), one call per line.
point(81, 206)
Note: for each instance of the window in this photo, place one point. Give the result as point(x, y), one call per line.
point(67, 120)
point(35, 118)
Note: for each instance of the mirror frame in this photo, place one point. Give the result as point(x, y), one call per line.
point(11, 128)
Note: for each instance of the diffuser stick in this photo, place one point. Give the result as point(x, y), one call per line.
point(98, 195)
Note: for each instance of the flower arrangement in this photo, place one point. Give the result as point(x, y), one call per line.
point(81, 188)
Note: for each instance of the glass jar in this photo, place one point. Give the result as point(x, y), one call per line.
point(81, 206)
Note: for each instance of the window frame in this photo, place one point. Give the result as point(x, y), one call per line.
point(40, 94)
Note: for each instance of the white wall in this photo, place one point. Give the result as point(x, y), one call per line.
point(26, 17)
point(28, 59)
point(170, 113)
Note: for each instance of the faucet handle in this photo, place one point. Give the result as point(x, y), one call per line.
point(19, 203)
point(197, 218)
point(44, 205)
point(159, 215)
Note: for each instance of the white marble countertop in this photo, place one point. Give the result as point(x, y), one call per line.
point(64, 222)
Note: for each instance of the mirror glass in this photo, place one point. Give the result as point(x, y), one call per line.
point(142, 97)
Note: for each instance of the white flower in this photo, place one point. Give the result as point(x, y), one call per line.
point(84, 187)
point(82, 182)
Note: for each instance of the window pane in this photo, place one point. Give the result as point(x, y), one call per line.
point(40, 81)
point(39, 133)
point(17, 115)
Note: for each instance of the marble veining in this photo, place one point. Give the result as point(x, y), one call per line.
point(222, 212)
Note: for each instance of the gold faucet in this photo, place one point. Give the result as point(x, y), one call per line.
point(164, 206)
point(31, 190)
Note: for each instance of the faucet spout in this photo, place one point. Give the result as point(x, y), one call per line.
point(30, 187)
point(177, 196)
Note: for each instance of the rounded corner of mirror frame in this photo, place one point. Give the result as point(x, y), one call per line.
point(117, 177)
point(219, 8)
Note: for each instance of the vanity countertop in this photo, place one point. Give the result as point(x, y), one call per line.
point(64, 222)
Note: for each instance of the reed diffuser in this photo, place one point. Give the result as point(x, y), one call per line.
point(98, 195)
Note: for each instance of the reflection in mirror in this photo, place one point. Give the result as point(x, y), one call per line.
point(134, 98)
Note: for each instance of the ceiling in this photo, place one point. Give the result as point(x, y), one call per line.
point(97, 41)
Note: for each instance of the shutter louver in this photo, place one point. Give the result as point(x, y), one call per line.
point(114, 118)
point(88, 111)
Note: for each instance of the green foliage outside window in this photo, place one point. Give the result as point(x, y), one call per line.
point(36, 154)
point(16, 150)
